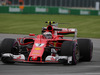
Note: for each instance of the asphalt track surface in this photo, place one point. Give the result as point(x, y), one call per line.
point(82, 68)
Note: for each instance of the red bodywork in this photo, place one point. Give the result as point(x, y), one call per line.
point(40, 43)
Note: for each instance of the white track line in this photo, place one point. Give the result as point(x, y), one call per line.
point(92, 73)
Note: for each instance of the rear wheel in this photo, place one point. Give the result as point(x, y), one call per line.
point(86, 49)
point(69, 48)
point(9, 45)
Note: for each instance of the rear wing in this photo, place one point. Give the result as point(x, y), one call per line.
point(66, 31)
point(61, 31)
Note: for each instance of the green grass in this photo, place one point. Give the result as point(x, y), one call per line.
point(88, 26)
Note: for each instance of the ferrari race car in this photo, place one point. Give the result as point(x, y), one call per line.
point(49, 47)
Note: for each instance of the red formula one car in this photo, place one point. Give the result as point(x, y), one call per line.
point(49, 47)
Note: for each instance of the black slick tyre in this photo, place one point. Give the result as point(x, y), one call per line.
point(69, 48)
point(86, 49)
point(9, 45)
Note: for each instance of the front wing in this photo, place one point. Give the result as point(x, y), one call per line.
point(49, 59)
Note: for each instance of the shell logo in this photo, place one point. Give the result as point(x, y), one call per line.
point(37, 48)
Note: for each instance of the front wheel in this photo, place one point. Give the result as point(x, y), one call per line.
point(9, 45)
point(70, 48)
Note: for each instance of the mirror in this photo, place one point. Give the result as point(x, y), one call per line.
point(31, 34)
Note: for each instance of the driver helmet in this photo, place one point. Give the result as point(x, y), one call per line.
point(47, 35)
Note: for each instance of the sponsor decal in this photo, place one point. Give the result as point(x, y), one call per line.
point(50, 58)
point(82, 12)
point(38, 9)
point(72, 30)
point(19, 57)
point(37, 48)
point(39, 45)
point(54, 44)
point(14, 9)
point(53, 59)
point(63, 11)
point(98, 12)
